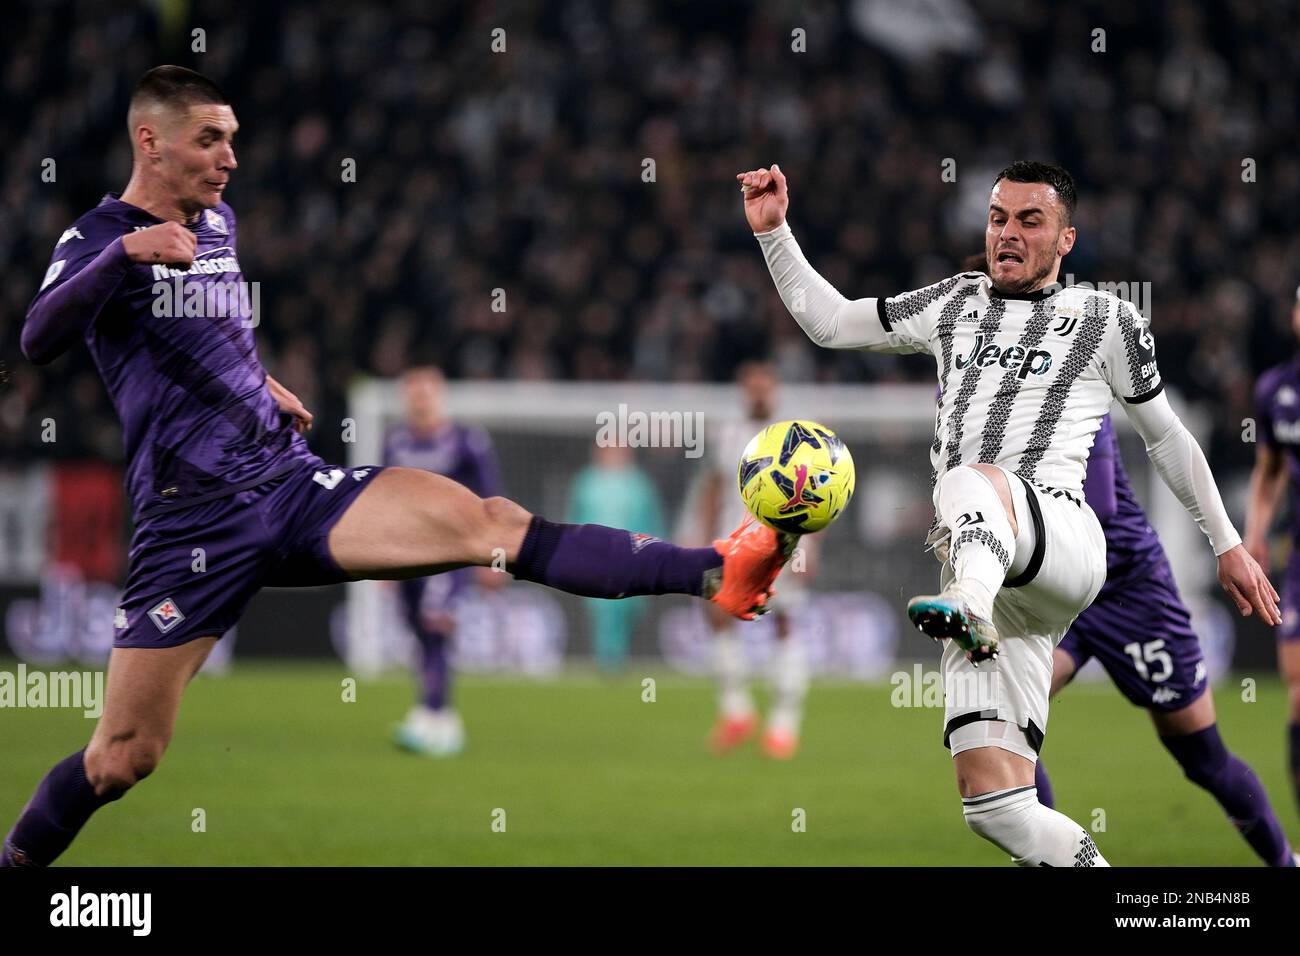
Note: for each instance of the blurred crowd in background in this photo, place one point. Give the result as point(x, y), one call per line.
point(525, 171)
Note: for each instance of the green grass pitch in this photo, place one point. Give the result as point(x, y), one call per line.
point(287, 773)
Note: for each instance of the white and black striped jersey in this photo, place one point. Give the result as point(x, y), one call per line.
point(1024, 380)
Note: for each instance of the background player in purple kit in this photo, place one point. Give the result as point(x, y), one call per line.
point(1277, 464)
point(1140, 630)
point(226, 495)
point(429, 440)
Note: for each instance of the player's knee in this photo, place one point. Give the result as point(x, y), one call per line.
point(502, 514)
point(954, 478)
point(120, 765)
point(978, 480)
point(501, 522)
point(1293, 689)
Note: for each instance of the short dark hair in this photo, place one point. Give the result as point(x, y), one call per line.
point(176, 86)
point(1058, 177)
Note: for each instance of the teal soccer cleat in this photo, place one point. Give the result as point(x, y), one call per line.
point(949, 615)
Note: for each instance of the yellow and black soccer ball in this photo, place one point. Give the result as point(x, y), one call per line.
point(796, 476)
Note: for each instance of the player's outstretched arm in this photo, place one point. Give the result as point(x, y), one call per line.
point(1183, 468)
point(74, 297)
point(828, 318)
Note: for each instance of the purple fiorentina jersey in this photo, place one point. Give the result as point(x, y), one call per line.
point(458, 452)
point(175, 349)
point(1277, 408)
point(1132, 548)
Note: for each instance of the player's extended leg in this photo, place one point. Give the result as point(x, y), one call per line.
point(140, 704)
point(410, 523)
point(1288, 658)
point(1000, 802)
point(1191, 735)
point(977, 509)
point(737, 716)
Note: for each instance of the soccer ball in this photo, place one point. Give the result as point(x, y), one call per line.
point(796, 476)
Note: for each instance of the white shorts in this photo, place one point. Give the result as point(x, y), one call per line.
point(1031, 612)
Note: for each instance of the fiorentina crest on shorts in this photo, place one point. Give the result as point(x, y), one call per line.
point(166, 615)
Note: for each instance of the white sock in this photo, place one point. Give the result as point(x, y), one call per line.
point(983, 546)
point(789, 683)
point(1033, 834)
point(734, 699)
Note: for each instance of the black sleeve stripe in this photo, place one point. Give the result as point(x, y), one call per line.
point(880, 311)
point(1147, 397)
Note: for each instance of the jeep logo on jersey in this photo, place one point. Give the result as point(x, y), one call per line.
point(986, 353)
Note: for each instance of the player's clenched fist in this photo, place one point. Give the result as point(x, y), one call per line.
point(168, 243)
point(766, 197)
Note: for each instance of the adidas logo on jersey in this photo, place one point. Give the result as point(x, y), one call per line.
point(985, 353)
point(971, 316)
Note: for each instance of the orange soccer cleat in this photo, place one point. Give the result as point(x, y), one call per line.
point(780, 744)
point(730, 732)
point(752, 557)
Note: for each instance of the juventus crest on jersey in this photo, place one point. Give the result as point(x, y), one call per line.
point(1024, 380)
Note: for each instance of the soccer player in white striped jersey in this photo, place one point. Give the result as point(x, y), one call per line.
point(1027, 369)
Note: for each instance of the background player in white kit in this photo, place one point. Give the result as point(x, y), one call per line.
point(788, 674)
point(1026, 372)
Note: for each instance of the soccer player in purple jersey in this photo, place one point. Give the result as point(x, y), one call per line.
point(428, 439)
point(1140, 630)
point(217, 466)
point(1277, 464)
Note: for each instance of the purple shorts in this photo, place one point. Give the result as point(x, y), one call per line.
point(1290, 629)
point(1142, 634)
point(192, 571)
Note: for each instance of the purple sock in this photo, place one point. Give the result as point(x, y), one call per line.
point(1294, 733)
point(434, 683)
point(55, 814)
point(595, 561)
point(1207, 763)
point(1044, 785)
